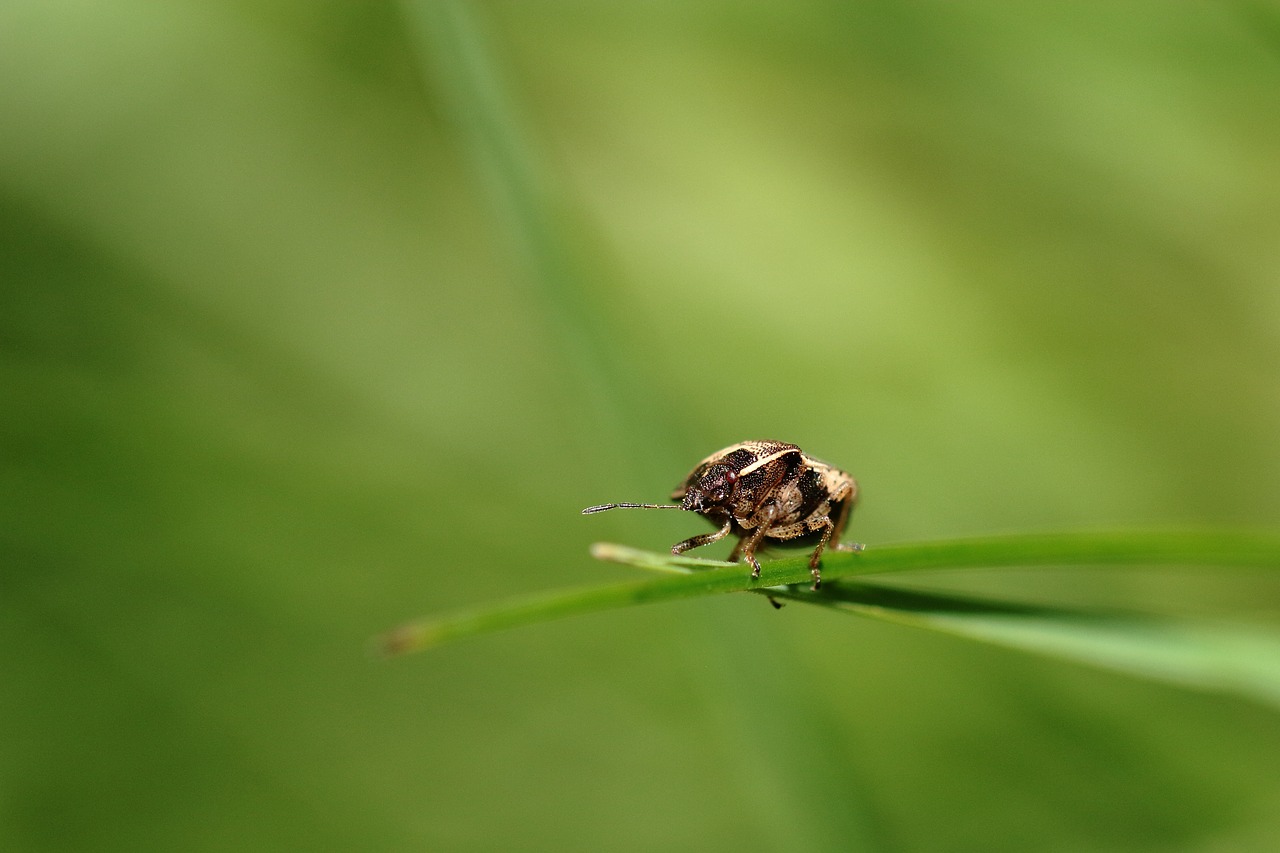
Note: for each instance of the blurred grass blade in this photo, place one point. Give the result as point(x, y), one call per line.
point(457, 60)
point(424, 634)
point(1221, 548)
point(1233, 658)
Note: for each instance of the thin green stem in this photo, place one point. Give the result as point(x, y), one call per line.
point(1207, 548)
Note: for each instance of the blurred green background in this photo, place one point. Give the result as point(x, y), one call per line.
point(318, 316)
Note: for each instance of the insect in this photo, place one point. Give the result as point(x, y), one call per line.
point(760, 490)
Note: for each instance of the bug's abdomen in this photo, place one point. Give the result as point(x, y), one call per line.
point(813, 494)
point(803, 532)
point(823, 494)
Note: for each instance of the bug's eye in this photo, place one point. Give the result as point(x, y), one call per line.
point(731, 476)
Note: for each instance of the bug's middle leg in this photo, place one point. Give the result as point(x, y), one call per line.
point(776, 476)
point(764, 520)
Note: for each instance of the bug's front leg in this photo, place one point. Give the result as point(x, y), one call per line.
point(703, 539)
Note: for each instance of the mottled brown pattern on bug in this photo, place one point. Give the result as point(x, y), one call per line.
point(758, 490)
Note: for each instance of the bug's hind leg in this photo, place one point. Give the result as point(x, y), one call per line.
point(816, 559)
point(827, 528)
point(703, 539)
point(845, 512)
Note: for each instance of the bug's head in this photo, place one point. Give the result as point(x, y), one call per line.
point(710, 489)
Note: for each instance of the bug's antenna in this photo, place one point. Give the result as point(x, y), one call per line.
point(603, 507)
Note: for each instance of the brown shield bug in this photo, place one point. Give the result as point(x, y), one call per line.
point(760, 490)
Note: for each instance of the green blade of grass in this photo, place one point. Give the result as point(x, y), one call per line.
point(1216, 548)
point(1224, 657)
point(551, 247)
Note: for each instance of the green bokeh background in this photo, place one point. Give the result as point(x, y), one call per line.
point(317, 316)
